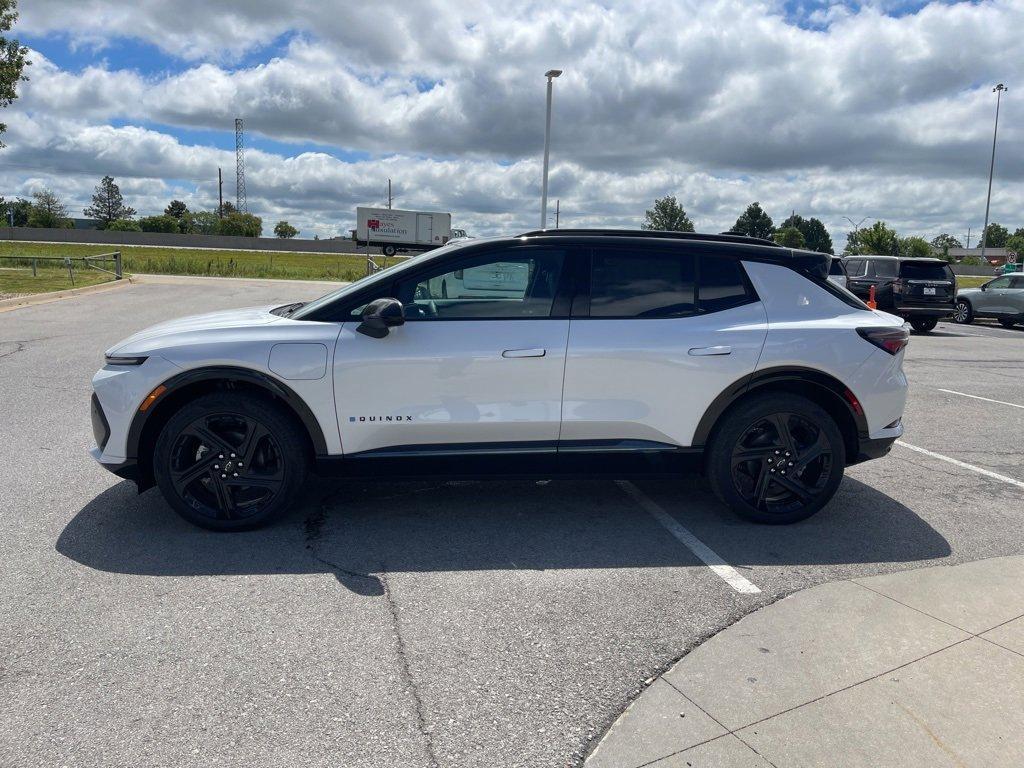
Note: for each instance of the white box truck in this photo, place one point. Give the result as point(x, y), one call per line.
point(395, 230)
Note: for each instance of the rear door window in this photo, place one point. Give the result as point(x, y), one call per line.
point(910, 270)
point(1017, 281)
point(855, 267)
point(644, 283)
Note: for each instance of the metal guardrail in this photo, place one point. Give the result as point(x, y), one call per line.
point(65, 261)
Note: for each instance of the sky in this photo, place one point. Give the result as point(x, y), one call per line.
point(875, 110)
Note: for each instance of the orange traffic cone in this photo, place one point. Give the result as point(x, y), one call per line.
point(871, 298)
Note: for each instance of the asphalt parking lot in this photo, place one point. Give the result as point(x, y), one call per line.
point(419, 624)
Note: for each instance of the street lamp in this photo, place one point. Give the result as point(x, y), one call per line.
point(551, 74)
point(998, 91)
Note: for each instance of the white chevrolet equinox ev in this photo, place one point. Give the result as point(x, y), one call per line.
point(566, 351)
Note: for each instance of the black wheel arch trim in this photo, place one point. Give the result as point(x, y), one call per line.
point(229, 373)
point(768, 376)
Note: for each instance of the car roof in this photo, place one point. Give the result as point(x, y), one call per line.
point(723, 237)
point(882, 257)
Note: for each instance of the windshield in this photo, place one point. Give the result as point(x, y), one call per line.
point(362, 282)
point(910, 270)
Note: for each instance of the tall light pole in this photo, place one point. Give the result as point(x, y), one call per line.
point(998, 91)
point(551, 74)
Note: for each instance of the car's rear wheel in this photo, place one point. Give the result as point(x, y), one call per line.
point(963, 313)
point(1007, 323)
point(389, 250)
point(776, 459)
point(230, 462)
point(924, 324)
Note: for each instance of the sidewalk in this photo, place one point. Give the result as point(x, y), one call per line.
point(919, 668)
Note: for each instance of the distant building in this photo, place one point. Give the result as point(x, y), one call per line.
point(994, 256)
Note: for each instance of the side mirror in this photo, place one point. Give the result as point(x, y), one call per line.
point(379, 316)
point(984, 286)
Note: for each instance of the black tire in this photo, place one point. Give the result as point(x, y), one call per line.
point(230, 461)
point(389, 250)
point(963, 312)
point(924, 324)
point(748, 458)
point(1007, 323)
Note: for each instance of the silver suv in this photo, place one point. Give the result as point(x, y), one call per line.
point(1002, 299)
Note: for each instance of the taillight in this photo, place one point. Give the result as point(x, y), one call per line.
point(892, 340)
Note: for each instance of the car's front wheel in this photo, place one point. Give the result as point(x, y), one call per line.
point(230, 461)
point(963, 313)
point(776, 459)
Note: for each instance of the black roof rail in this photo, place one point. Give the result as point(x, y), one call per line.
point(652, 233)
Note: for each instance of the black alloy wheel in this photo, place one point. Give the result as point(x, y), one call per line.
point(776, 458)
point(229, 461)
point(781, 463)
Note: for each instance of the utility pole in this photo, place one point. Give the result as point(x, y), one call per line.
point(558, 205)
point(968, 237)
point(551, 74)
point(390, 196)
point(998, 91)
point(220, 194)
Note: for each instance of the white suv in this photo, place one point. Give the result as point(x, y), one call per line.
point(554, 351)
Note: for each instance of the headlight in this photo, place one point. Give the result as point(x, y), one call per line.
point(119, 360)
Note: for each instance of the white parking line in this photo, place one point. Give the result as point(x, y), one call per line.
point(964, 464)
point(711, 559)
point(979, 397)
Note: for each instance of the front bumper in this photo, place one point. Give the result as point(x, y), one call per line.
point(128, 469)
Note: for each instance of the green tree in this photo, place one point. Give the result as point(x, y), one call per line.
point(942, 243)
point(667, 215)
point(790, 237)
point(1016, 244)
point(227, 208)
point(21, 209)
point(12, 58)
point(176, 208)
point(916, 247)
point(108, 204)
point(123, 225)
point(816, 237)
point(1018, 232)
point(995, 236)
point(754, 222)
point(48, 210)
point(285, 230)
point(877, 239)
point(241, 224)
point(200, 222)
point(166, 223)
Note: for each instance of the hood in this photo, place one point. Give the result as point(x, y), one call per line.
point(246, 317)
point(968, 291)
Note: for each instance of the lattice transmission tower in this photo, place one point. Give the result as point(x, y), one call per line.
point(240, 202)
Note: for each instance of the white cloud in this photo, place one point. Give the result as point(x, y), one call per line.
point(718, 102)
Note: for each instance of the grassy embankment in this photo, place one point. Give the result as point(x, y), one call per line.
point(170, 261)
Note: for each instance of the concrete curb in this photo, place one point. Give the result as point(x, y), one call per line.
point(7, 305)
point(916, 668)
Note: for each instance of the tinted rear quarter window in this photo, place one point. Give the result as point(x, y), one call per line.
point(884, 268)
point(640, 283)
point(722, 284)
point(910, 270)
point(836, 267)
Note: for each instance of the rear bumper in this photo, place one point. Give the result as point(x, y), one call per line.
point(922, 310)
point(873, 448)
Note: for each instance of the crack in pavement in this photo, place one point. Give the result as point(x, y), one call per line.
point(407, 676)
point(370, 585)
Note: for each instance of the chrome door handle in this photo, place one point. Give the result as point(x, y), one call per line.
point(524, 353)
point(705, 351)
